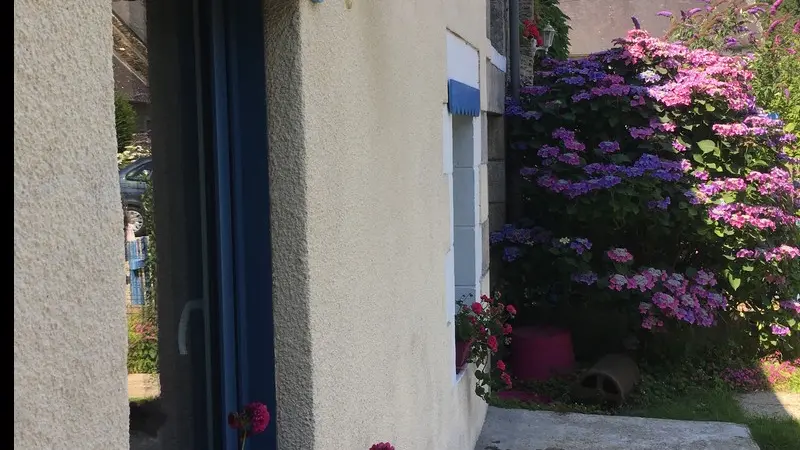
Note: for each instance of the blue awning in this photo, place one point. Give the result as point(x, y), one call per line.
point(462, 99)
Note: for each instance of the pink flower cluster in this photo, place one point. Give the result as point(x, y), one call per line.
point(699, 71)
point(739, 215)
point(776, 181)
point(772, 254)
point(567, 138)
point(769, 373)
point(619, 255)
point(737, 129)
point(677, 296)
point(791, 305)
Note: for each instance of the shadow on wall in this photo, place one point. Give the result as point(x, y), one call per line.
point(595, 24)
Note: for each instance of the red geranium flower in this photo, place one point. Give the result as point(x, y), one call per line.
point(511, 310)
point(531, 31)
point(491, 341)
point(506, 379)
point(501, 365)
point(477, 308)
point(382, 446)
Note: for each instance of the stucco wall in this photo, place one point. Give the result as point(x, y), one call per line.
point(595, 24)
point(360, 223)
point(69, 324)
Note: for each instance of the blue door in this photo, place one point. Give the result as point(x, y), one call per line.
point(210, 177)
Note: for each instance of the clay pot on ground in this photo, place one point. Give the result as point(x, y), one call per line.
point(540, 352)
point(462, 352)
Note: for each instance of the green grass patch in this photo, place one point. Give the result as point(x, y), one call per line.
point(720, 405)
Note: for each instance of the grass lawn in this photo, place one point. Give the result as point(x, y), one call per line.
point(720, 405)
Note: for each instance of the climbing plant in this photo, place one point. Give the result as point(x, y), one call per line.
point(548, 12)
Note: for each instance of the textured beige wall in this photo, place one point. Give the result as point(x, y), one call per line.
point(69, 321)
point(360, 224)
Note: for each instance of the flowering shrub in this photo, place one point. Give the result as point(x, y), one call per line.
point(735, 25)
point(672, 192)
point(251, 420)
point(485, 321)
point(770, 374)
point(142, 345)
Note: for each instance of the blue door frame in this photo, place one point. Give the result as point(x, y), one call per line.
point(234, 48)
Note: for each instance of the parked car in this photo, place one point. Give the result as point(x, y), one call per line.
point(133, 182)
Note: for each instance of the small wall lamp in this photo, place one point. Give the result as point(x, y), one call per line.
point(548, 34)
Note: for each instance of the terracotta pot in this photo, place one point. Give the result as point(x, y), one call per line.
point(537, 353)
point(462, 352)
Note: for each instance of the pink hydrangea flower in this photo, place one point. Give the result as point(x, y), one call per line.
point(619, 255)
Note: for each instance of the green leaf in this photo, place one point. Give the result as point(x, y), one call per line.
point(747, 268)
point(790, 127)
point(707, 146)
point(698, 157)
point(735, 282)
point(710, 107)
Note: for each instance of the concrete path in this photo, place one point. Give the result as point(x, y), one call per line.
point(771, 404)
point(517, 429)
point(143, 385)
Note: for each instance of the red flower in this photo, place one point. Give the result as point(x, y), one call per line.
point(492, 343)
point(252, 420)
point(382, 446)
point(486, 298)
point(506, 379)
point(511, 310)
point(477, 308)
point(530, 30)
point(482, 330)
point(472, 320)
point(501, 365)
point(507, 329)
point(259, 417)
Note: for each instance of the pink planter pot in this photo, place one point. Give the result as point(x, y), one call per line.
point(537, 353)
point(462, 352)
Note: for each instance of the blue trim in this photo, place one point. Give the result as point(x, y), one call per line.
point(213, 23)
point(251, 215)
point(462, 99)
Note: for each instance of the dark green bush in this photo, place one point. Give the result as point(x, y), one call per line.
point(125, 121)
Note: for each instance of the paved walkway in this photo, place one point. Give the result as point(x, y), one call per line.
point(771, 404)
point(518, 429)
point(142, 385)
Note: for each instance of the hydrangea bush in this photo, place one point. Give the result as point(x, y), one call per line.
point(770, 30)
point(655, 184)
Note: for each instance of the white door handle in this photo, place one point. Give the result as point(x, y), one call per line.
point(183, 324)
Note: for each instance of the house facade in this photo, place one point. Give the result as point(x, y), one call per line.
point(322, 191)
